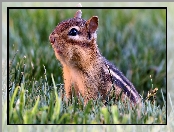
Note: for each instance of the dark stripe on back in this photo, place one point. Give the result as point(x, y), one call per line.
point(118, 83)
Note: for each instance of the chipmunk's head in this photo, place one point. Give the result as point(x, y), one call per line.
point(74, 40)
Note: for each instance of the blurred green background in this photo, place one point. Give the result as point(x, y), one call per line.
point(133, 39)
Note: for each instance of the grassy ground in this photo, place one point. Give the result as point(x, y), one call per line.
point(134, 40)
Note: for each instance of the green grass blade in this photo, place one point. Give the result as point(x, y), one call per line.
point(12, 101)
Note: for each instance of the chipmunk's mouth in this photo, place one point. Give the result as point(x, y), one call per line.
point(55, 45)
point(52, 39)
point(57, 49)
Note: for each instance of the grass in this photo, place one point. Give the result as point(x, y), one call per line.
point(41, 107)
point(134, 40)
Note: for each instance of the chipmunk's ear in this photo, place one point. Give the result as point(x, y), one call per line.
point(78, 14)
point(92, 24)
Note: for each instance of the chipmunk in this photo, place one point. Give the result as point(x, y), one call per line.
point(84, 68)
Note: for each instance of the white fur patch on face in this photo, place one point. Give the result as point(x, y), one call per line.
point(77, 37)
point(76, 27)
point(95, 35)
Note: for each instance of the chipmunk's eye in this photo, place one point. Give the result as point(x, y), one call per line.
point(73, 32)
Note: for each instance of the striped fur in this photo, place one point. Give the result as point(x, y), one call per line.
point(84, 68)
point(121, 82)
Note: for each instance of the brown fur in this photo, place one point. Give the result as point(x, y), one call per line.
point(84, 68)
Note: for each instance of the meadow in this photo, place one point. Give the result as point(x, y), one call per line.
point(132, 39)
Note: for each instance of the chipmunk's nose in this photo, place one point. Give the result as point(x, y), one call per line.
point(52, 39)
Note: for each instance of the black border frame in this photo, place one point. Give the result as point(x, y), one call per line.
point(8, 8)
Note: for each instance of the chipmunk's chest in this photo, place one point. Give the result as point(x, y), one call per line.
point(74, 79)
